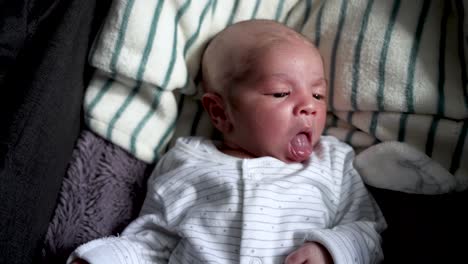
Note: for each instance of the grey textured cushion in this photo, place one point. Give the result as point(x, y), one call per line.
point(101, 193)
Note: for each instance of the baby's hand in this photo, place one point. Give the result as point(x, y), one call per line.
point(310, 253)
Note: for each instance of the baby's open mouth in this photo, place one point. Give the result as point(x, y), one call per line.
point(301, 146)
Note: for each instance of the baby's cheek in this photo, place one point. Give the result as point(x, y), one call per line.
point(271, 123)
point(274, 128)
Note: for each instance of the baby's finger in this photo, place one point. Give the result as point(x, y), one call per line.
point(297, 257)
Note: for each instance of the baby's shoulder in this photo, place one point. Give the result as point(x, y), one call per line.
point(332, 144)
point(187, 151)
point(191, 146)
point(332, 153)
point(185, 155)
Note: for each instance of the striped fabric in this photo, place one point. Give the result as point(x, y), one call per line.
point(396, 69)
point(203, 206)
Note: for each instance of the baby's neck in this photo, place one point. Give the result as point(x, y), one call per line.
point(229, 149)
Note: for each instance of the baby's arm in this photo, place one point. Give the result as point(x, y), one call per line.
point(354, 236)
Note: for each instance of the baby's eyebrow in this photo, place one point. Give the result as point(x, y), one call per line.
point(319, 82)
point(275, 77)
point(281, 76)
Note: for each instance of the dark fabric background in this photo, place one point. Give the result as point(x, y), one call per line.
point(424, 228)
point(43, 52)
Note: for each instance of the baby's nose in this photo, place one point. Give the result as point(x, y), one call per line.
point(306, 107)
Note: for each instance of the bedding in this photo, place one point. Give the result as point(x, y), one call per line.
point(396, 71)
point(101, 193)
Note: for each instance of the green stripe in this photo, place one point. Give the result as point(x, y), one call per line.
point(349, 136)
point(254, 13)
point(336, 43)
point(318, 24)
point(383, 55)
point(141, 70)
point(373, 124)
point(402, 130)
point(122, 33)
point(292, 9)
point(170, 69)
point(167, 78)
point(357, 55)
point(431, 135)
point(288, 14)
point(194, 37)
point(164, 138)
point(349, 117)
point(441, 82)
point(110, 80)
point(115, 56)
point(121, 36)
point(412, 67)
point(279, 9)
point(307, 11)
point(461, 49)
point(458, 153)
point(233, 12)
point(156, 100)
point(215, 5)
point(414, 55)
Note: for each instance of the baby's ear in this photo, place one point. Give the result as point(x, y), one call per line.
point(214, 106)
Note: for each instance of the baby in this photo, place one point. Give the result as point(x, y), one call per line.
point(273, 190)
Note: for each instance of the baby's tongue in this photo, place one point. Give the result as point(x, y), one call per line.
point(301, 148)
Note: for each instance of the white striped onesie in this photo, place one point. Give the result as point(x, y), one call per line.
point(204, 206)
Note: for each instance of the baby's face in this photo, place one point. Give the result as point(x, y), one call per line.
point(279, 108)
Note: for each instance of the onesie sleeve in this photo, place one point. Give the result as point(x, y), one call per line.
point(146, 240)
point(354, 235)
point(150, 238)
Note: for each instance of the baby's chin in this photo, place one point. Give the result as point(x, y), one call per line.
point(297, 158)
point(291, 152)
point(290, 156)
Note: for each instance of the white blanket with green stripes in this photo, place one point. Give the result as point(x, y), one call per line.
point(396, 69)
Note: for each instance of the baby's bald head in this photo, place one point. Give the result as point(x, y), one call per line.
point(229, 54)
point(265, 90)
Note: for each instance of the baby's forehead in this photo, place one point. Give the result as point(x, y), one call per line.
point(232, 51)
